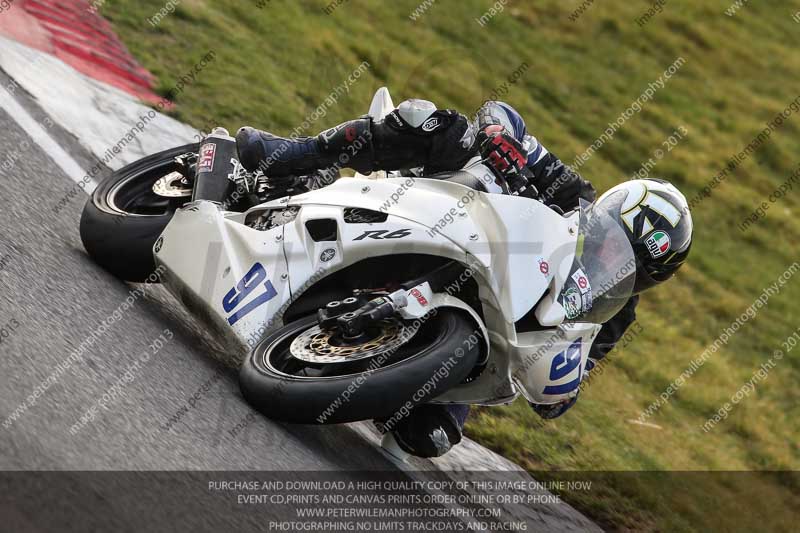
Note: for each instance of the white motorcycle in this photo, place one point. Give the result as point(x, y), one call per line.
point(376, 293)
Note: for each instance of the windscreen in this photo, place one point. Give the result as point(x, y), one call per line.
point(604, 271)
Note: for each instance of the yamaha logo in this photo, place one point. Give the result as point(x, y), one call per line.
point(327, 255)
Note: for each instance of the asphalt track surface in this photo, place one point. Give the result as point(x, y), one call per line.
point(176, 409)
point(53, 297)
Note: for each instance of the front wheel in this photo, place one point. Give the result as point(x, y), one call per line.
point(303, 375)
point(124, 217)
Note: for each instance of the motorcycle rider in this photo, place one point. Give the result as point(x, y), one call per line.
point(417, 135)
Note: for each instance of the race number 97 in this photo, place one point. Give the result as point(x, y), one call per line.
point(566, 363)
point(255, 279)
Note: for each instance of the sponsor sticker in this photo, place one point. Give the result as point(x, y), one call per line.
point(658, 243)
point(544, 267)
point(588, 300)
point(581, 280)
point(420, 297)
point(572, 303)
point(207, 154)
point(431, 124)
point(394, 116)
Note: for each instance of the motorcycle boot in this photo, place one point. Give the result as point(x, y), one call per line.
point(429, 430)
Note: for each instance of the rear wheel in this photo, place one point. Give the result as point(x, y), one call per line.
point(301, 374)
point(124, 217)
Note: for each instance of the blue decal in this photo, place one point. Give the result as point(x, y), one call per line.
point(252, 280)
point(564, 363)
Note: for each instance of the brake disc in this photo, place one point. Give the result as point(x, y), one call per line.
point(173, 185)
point(316, 345)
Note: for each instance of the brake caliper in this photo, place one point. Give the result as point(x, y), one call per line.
point(354, 323)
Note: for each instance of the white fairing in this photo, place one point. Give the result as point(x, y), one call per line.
point(242, 280)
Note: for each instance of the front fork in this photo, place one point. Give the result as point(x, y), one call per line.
point(353, 318)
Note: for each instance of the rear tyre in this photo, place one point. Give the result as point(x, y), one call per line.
point(124, 217)
point(285, 389)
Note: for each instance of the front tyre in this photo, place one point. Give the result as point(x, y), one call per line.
point(124, 217)
point(289, 389)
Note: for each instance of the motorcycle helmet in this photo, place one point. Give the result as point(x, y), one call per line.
point(658, 223)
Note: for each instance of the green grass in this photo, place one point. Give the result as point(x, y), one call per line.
point(277, 64)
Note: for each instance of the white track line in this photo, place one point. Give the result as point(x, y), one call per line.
point(40, 136)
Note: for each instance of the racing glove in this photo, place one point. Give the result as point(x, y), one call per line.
point(507, 159)
point(555, 410)
point(558, 409)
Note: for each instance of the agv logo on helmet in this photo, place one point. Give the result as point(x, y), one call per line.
point(657, 244)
